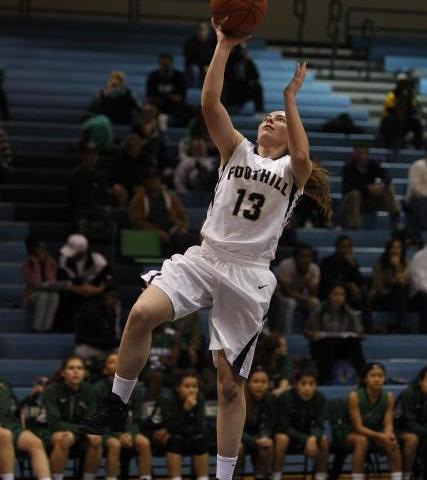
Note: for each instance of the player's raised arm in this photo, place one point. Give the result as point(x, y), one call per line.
point(218, 122)
point(297, 138)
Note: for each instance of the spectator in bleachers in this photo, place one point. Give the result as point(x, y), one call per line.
point(40, 276)
point(390, 284)
point(4, 104)
point(86, 274)
point(342, 267)
point(15, 437)
point(33, 412)
point(88, 191)
point(162, 360)
point(272, 355)
point(401, 115)
point(130, 440)
point(300, 428)
point(68, 399)
point(197, 129)
point(370, 410)
point(180, 426)
point(116, 100)
point(191, 342)
point(154, 152)
point(257, 438)
point(97, 325)
point(335, 334)
point(155, 208)
point(196, 170)
point(167, 88)
point(127, 169)
point(416, 195)
point(242, 81)
point(366, 188)
point(298, 278)
point(418, 286)
point(97, 129)
point(198, 51)
point(411, 422)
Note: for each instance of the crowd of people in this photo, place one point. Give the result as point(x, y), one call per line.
point(280, 420)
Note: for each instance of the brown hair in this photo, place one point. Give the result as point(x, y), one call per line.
point(317, 188)
point(57, 376)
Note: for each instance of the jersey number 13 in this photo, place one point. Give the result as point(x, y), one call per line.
point(257, 200)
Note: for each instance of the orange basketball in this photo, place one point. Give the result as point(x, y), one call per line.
point(243, 15)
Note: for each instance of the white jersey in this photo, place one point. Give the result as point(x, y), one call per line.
point(253, 201)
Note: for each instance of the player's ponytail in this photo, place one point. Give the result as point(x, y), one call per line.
point(317, 187)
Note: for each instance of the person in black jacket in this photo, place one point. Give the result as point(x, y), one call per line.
point(411, 421)
point(257, 438)
point(342, 267)
point(198, 51)
point(180, 426)
point(366, 188)
point(98, 325)
point(302, 412)
point(241, 82)
point(167, 88)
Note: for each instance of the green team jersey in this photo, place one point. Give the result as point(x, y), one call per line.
point(261, 418)
point(413, 415)
point(8, 405)
point(299, 418)
point(65, 407)
point(372, 414)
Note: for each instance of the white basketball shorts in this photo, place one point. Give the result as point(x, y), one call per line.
point(238, 289)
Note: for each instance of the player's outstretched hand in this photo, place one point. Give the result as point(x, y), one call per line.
point(298, 79)
point(229, 41)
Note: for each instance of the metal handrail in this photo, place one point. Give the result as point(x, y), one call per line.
point(372, 11)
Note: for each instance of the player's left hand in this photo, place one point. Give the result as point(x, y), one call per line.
point(297, 81)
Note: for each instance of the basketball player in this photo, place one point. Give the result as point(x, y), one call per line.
point(257, 190)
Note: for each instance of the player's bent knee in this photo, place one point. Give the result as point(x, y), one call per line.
point(411, 440)
point(324, 442)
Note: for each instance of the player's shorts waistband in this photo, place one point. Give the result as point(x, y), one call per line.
point(233, 257)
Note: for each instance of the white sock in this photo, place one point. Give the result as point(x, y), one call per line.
point(123, 388)
point(202, 478)
point(58, 476)
point(45, 478)
point(110, 478)
point(277, 476)
point(225, 467)
point(407, 475)
point(176, 478)
point(357, 476)
point(396, 475)
point(145, 477)
point(89, 476)
point(8, 476)
point(320, 476)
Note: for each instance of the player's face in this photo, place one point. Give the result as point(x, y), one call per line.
point(258, 385)
point(375, 378)
point(306, 387)
point(74, 372)
point(273, 131)
point(337, 296)
point(188, 386)
point(111, 364)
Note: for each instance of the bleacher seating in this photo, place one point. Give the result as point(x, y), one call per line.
point(49, 84)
